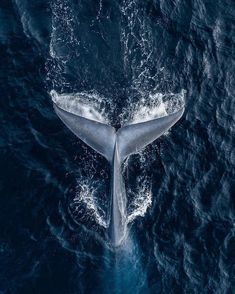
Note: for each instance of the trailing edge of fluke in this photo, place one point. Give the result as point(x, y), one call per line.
point(115, 146)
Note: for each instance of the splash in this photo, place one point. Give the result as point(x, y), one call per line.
point(82, 104)
point(153, 105)
point(86, 195)
point(157, 105)
point(142, 201)
point(94, 106)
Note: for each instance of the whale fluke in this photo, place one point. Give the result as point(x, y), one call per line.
point(132, 138)
point(99, 136)
point(115, 146)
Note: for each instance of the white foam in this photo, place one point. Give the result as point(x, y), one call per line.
point(77, 104)
point(141, 203)
point(154, 105)
point(86, 195)
point(148, 112)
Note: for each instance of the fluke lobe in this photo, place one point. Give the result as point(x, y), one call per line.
point(115, 146)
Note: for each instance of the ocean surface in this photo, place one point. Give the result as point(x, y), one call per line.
point(122, 61)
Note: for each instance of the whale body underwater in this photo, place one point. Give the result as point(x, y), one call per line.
point(115, 146)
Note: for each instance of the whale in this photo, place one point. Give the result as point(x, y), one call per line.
point(116, 146)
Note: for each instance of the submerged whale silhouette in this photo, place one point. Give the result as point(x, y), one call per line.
point(115, 146)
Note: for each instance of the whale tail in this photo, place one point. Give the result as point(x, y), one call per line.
point(115, 147)
point(99, 136)
point(130, 138)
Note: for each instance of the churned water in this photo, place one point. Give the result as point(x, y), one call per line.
point(117, 62)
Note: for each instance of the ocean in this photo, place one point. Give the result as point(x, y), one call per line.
point(120, 61)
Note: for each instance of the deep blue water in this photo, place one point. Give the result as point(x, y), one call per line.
point(119, 54)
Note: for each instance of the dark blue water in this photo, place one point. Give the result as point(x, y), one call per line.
point(124, 57)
